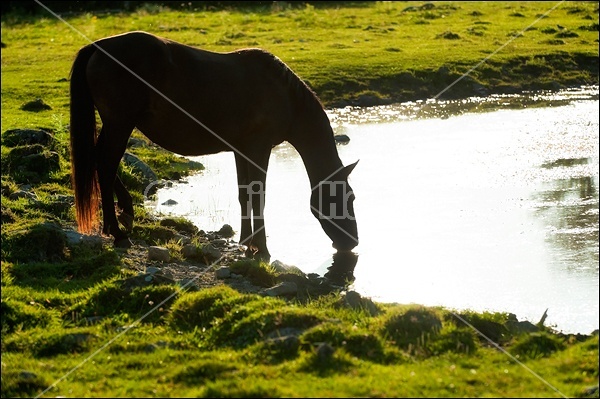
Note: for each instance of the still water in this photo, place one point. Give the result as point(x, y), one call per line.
point(483, 204)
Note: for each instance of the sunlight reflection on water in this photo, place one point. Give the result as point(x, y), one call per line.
point(487, 204)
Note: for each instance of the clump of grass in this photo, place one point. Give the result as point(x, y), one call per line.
point(152, 232)
point(197, 310)
point(537, 345)
point(412, 328)
point(261, 346)
point(112, 299)
point(19, 316)
point(257, 319)
point(22, 383)
point(259, 273)
point(180, 224)
point(356, 341)
point(205, 370)
point(50, 243)
point(453, 339)
point(44, 343)
point(491, 325)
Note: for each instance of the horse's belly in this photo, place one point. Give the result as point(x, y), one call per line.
point(190, 143)
point(186, 138)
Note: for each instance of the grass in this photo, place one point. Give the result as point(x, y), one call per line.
point(60, 304)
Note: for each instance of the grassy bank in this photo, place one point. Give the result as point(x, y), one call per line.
point(91, 314)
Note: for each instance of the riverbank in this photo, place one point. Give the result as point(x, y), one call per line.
point(183, 313)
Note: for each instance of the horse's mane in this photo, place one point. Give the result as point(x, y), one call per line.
point(303, 93)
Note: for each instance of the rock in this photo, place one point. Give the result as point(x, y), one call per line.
point(152, 270)
point(223, 272)
point(325, 351)
point(150, 179)
point(341, 138)
point(135, 143)
point(219, 242)
point(513, 324)
point(158, 253)
point(74, 238)
point(354, 300)
point(281, 289)
point(18, 137)
point(36, 105)
point(27, 375)
point(226, 231)
point(210, 253)
point(284, 344)
point(30, 163)
point(281, 267)
point(169, 202)
point(22, 194)
point(190, 251)
point(166, 274)
point(183, 240)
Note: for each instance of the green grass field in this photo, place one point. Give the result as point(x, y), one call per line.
point(67, 318)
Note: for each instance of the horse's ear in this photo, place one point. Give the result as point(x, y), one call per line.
point(349, 168)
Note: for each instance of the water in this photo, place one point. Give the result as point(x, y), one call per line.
point(483, 204)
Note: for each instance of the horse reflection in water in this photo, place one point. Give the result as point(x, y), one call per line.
point(195, 102)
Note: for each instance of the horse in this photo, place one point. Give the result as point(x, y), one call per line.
point(192, 102)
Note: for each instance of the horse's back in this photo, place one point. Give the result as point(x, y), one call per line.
point(167, 88)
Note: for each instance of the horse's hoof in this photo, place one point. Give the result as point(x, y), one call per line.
point(126, 221)
point(123, 243)
point(256, 254)
point(262, 256)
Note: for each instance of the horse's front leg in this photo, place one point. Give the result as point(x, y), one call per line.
point(252, 173)
point(109, 150)
point(259, 235)
point(257, 174)
point(244, 198)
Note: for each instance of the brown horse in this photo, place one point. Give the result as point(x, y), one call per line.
point(196, 102)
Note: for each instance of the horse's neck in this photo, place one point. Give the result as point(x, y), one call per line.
point(319, 153)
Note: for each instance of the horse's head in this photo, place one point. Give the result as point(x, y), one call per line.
point(332, 204)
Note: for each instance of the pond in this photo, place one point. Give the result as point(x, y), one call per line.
point(489, 204)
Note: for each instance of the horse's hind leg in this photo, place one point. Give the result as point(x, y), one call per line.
point(125, 204)
point(110, 148)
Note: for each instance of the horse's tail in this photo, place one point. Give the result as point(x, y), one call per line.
point(83, 140)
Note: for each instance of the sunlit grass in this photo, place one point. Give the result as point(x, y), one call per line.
point(61, 307)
